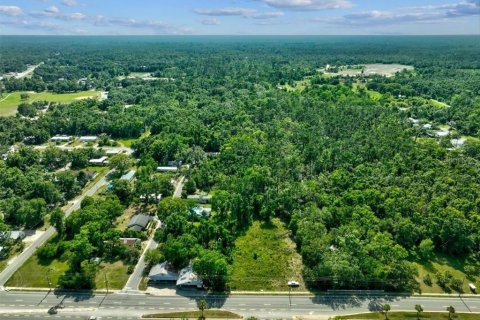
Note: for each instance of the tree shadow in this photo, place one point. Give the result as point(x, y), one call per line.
point(215, 300)
point(345, 301)
point(75, 295)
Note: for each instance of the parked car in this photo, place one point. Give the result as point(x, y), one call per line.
point(472, 287)
point(293, 283)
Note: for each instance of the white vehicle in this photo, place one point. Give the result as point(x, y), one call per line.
point(293, 283)
point(472, 287)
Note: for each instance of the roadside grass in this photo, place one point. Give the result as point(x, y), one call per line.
point(116, 273)
point(442, 263)
point(216, 314)
point(34, 272)
point(10, 101)
point(265, 259)
point(411, 315)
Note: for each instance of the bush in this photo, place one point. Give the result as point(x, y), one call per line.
point(47, 252)
point(130, 269)
point(427, 280)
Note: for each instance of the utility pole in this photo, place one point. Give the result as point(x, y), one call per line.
point(48, 279)
point(106, 281)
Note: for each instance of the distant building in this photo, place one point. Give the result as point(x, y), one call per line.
point(153, 197)
point(167, 169)
point(200, 198)
point(16, 235)
point(130, 241)
point(457, 143)
point(441, 134)
point(162, 272)
point(174, 163)
point(99, 162)
point(427, 126)
point(128, 176)
point(61, 138)
point(139, 222)
point(112, 152)
point(199, 211)
point(414, 121)
point(88, 138)
point(188, 278)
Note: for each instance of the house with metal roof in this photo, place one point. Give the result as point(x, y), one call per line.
point(188, 278)
point(162, 272)
point(139, 222)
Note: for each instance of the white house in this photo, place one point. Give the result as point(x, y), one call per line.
point(61, 138)
point(188, 278)
point(88, 138)
point(99, 162)
point(167, 169)
point(162, 272)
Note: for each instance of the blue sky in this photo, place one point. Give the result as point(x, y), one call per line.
point(239, 17)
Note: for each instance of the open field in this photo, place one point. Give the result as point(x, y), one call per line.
point(411, 315)
point(10, 101)
point(265, 259)
point(215, 314)
point(116, 275)
point(34, 273)
point(441, 264)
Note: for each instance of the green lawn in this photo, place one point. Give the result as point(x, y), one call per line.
point(34, 273)
point(216, 314)
point(265, 259)
point(10, 101)
point(437, 104)
point(411, 315)
point(443, 263)
point(116, 275)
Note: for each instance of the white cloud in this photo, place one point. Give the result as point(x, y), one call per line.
point(211, 22)
point(52, 10)
point(77, 16)
point(308, 5)
point(241, 12)
point(69, 3)
point(11, 10)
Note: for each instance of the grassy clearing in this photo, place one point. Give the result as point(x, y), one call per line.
point(34, 272)
point(411, 315)
point(443, 263)
point(437, 104)
point(116, 275)
point(122, 222)
point(265, 259)
point(127, 142)
point(216, 314)
point(10, 101)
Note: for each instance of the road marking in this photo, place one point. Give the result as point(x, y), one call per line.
point(267, 304)
point(19, 300)
point(142, 303)
point(166, 303)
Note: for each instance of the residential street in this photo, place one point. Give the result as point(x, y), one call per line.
point(18, 261)
point(125, 306)
point(136, 277)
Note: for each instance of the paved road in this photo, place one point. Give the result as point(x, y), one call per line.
point(124, 306)
point(135, 278)
point(27, 72)
point(18, 261)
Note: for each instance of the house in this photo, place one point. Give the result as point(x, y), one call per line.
point(130, 241)
point(99, 162)
point(112, 152)
point(139, 222)
point(188, 278)
point(441, 133)
point(167, 169)
point(162, 272)
point(427, 126)
point(153, 197)
point(128, 176)
point(61, 138)
point(457, 143)
point(16, 235)
point(88, 138)
point(200, 198)
point(200, 211)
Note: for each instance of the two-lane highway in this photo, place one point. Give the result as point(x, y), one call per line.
point(124, 306)
point(19, 260)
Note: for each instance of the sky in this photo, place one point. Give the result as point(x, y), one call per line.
point(239, 17)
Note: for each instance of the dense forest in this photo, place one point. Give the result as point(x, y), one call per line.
point(354, 166)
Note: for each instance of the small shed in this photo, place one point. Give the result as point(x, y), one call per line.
point(88, 138)
point(167, 169)
point(99, 162)
point(61, 138)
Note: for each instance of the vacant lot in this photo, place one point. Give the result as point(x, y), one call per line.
point(441, 264)
point(265, 259)
point(10, 101)
point(116, 274)
point(34, 273)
